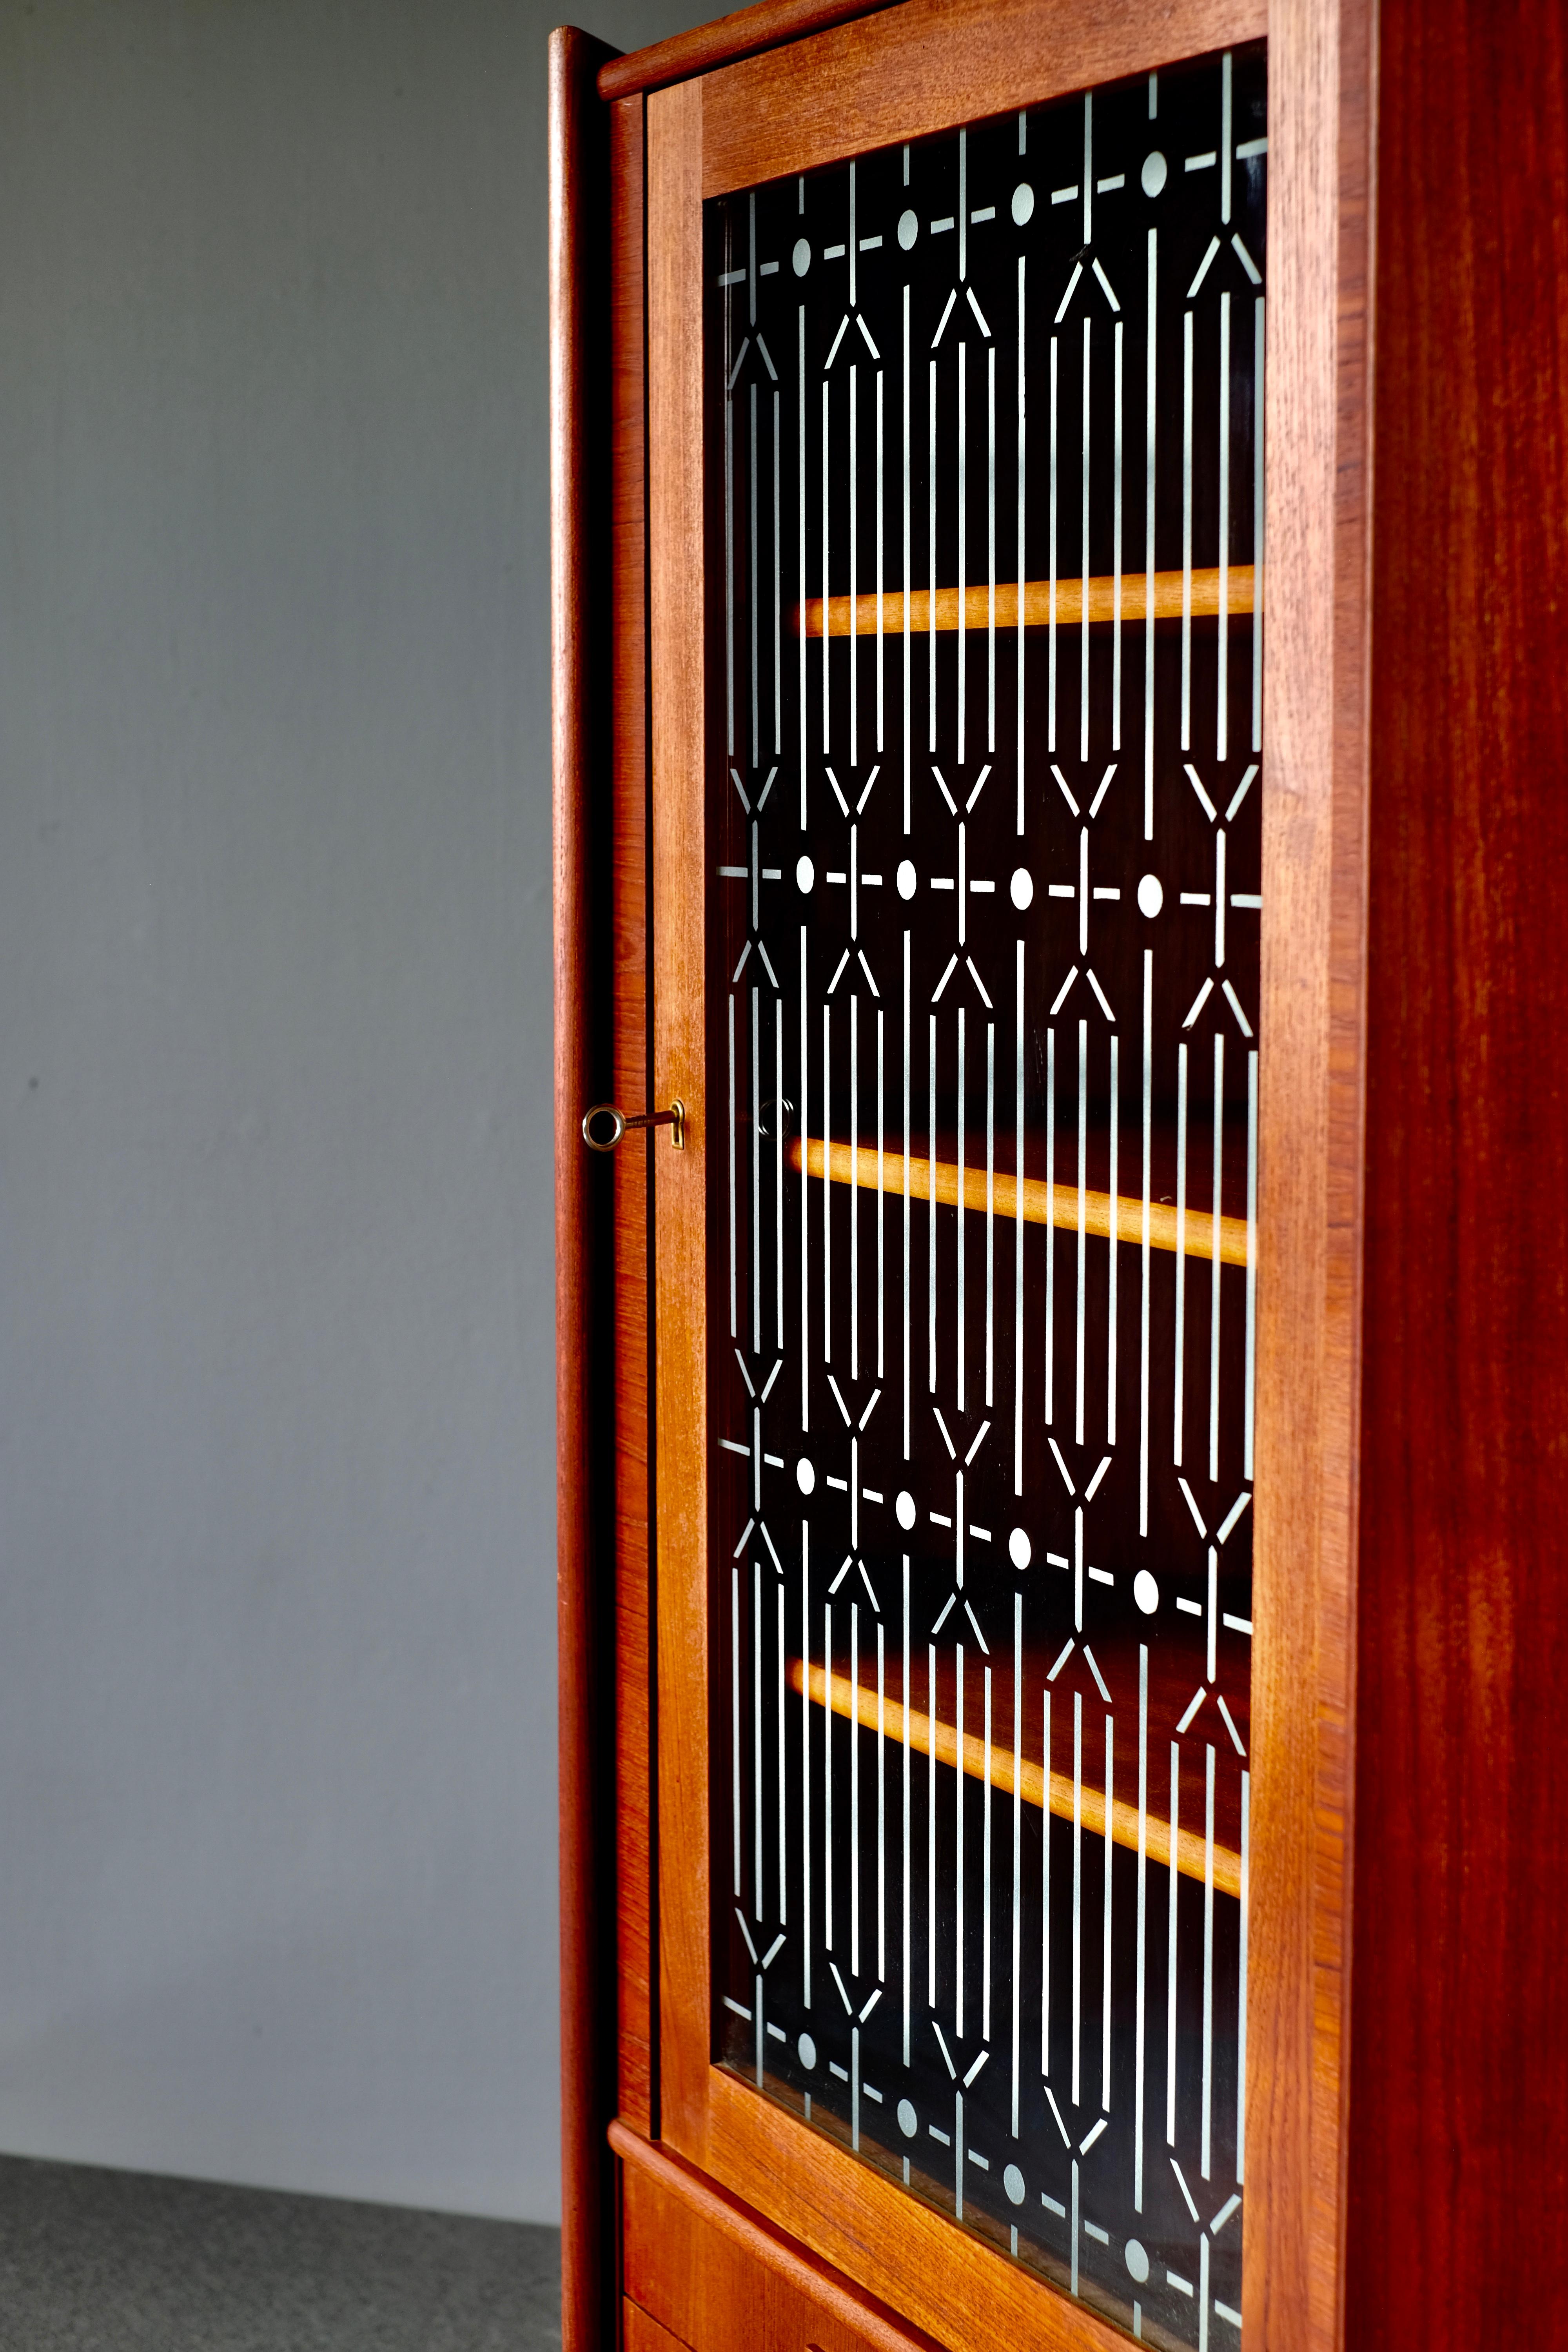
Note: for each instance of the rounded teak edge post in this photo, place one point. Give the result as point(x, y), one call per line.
point(578, 203)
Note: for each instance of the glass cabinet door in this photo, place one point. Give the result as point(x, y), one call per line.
point(985, 688)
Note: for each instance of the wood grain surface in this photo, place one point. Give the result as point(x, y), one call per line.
point(930, 64)
point(947, 2282)
point(578, 182)
point(1459, 2077)
point(640, 2333)
point(717, 2276)
point(631, 1167)
point(764, 26)
point(1311, 1116)
point(677, 619)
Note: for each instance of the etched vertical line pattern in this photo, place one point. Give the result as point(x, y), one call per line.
point(1016, 1978)
point(1215, 1261)
point(854, 1854)
point(1222, 689)
point(1151, 416)
point(1141, 1953)
point(961, 519)
point(826, 1192)
point(734, 1325)
point(930, 1840)
point(1178, 1383)
point(1186, 530)
point(990, 1211)
point(1046, 1900)
point(906, 1196)
point(961, 1223)
point(1086, 418)
point(991, 549)
point(852, 1202)
point(1208, 2114)
point(907, 576)
point(730, 576)
point(754, 607)
point(1077, 2027)
point(805, 1202)
point(756, 1160)
point(800, 570)
point(759, 1899)
point(1080, 892)
point(1023, 532)
point(1116, 421)
point(826, 480)
point(987, 1808)
point(1050, 1237)
point(930, 1225)
point(852, 508)
point(1144, 1241)
point(1173, 1879)
point(1018, 1243)
point(1106, 1850)
point(931, 559)
point(1258, 513)
point(827, 1785)
point(1051, 681)
point(905, 1882)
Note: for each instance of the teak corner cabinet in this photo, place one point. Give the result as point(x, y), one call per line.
point(1060, 889)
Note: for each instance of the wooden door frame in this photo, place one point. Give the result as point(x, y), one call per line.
point(1321, 108)
point(927, 66)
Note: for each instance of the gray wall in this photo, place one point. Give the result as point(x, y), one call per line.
point(277, 1708)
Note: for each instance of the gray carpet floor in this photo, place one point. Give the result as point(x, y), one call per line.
point(123, 2262)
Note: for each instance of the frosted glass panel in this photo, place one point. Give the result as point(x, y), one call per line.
point(985, 701)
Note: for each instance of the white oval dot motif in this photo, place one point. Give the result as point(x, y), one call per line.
point(804, 1476)
point(1137, 2260)
point(1146, 1593)
point(1019, 1549)
point(1150, 897)
point(905, 878)
point(1153, 176)
point(804, 875)
point(909, 229)
point(908, 2122)
point(802, 254)
point(1023, 202)
point(807, 2049)
point(1013, 2182)
point(905, 1507)
point(1023, 887)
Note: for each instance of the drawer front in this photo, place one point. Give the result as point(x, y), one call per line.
point(699, 2270)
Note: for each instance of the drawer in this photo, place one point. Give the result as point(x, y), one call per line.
point(698, 2268)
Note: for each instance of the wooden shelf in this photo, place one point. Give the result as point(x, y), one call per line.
point(1036, 1202)
point(1094, 600)
point(1053, 1791)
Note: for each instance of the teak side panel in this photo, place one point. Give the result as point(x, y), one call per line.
point(1310, 1213)
point(629, 912)
point(677, 613)
point(929, 65)
point(1459, 2073)
point(585, 1536)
